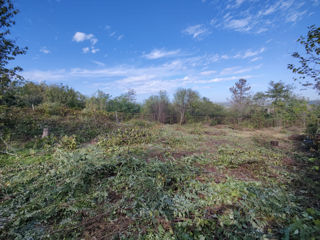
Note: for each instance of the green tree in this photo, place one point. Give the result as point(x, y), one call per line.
point(64, 96)
point(9, 77)
point(279, 94)
point(32, 94)
point(124, 103)
point(98, 102)
point(158, 106)
point(184, 99)
point(309, 61)
point(203, 109)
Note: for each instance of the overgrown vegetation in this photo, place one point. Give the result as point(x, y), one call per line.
point(138, 182)
point(103, 167)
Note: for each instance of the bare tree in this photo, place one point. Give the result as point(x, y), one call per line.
point(240, 97)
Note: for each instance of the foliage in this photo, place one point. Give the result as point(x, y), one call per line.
point(309, 61)
point(68, 142)
point(68, 192)
point(98, 102)
point(64, 96)
point(26, 124)
point(127, 136)
point(184, 100)
point(8, 51)
point(124, 104)
point(158, 106)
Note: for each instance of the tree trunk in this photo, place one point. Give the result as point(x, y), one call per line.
point(181, 117)
point(45, 133)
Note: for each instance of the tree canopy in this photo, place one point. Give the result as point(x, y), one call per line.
point(309, 61)
point(8, 49)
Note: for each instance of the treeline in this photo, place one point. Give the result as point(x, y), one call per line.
point(278, 106)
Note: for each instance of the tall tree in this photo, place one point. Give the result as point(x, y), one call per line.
point(240, 97)
point(309, 61)
point(8, 50)
point(183, 101)
point(98, 102)
point(279, 94)
point(158, 106)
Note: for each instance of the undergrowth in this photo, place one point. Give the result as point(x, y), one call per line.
point(64, 191)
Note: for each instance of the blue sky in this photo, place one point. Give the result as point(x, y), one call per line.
point(207, 45)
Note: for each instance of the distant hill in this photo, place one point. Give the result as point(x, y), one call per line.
point(225, 104)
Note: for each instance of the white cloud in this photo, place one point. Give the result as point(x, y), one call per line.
point(161, 53)
point(255, 59)
point(235, 4)
point(222, 79)
point(85, 50)
point(260, 16)
point(196, 31)
point(238, 70)
point(80, 37)
point(181, 71)
point(94, 50)
point(295, 16)
point(241, 25)
point(42, 76)
point(101, 64)
point(45, 50)
point(113, 34)
point(250, 53)
point(207, 73)
point(90, 49)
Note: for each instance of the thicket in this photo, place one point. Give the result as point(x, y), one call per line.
point(36, 104)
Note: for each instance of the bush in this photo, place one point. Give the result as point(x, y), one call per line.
point(127, 136)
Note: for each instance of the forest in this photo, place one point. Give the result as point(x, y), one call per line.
point(171, 167)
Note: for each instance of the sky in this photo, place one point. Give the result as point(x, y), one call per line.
point(153, 45)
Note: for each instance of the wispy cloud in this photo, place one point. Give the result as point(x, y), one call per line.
point(101, 64)
point(208, 73)
point(160, 53)
point(148, 79)
point(196, 31)
point(249, 53)
point(91, 49)
point(241, 25)
point(255, 59)
point(45, 50)
point(238, 70)
point(259, 18)
point(50, 75)
point(113, 34)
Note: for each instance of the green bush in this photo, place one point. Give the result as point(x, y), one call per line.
point(127, 136)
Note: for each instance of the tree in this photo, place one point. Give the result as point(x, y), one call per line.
point(158, 106)
point(8, 50)
point(98, 102)
point(309, 62)
point(279, 94)
point(183, 101)
point(240, 97)
point(64, 96)
point(124, 103)
point(32, 94)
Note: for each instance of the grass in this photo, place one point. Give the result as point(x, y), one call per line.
point(147, 181)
